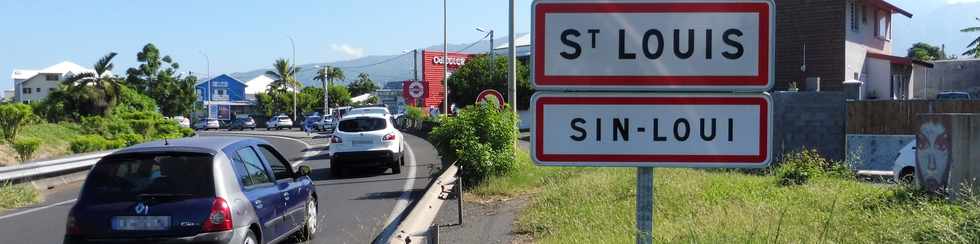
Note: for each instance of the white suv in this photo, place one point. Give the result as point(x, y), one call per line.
point(366, 140)
point(279, 122)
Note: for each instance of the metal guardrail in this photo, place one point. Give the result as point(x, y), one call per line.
point(51, 167)
point(415, 228)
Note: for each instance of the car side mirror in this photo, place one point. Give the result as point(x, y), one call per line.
point(304, 170)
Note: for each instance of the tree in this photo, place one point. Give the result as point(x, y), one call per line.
point(925, 52)
point(326, 75)
point(92, 93)
point(362, 85)
point(974, 47)
point(158, 78)
point(339, 96)
point(285, 75)
point(12, 117)
point(475, 76)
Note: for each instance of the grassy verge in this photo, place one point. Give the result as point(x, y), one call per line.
point(15, 196)
point(589, 205)
point(54, 139)
point(715, 207)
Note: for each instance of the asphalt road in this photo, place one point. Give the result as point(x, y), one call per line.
point(353, 209)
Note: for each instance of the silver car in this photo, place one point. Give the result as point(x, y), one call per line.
point(194, 190)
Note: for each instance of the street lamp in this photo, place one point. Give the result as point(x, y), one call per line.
point(293, 44)
point(415, 68)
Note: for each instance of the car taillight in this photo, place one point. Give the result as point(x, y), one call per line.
point(389, 137)
point(336, 139)
point(220, 217)
point(71, 227)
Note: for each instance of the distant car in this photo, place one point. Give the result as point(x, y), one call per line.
point(182, 121)
point(953, 96)
point(326, 124)
point(194, 190)
point(242, 124)
point(207, 124)
point(279, 122)
point(368, 110)
point(310, 122)
point(904, 168)
point(366, 140)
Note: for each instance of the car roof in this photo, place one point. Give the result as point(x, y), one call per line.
point(210, 144)
point(367, 115)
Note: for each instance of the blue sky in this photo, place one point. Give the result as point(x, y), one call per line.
point(245, 35)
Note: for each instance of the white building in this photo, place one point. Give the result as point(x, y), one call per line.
point(257, 85)
point(35, 85)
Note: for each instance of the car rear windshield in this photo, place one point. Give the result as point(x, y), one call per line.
point(362, 124)
point(158, 175)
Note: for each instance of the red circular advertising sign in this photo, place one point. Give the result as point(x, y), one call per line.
point(416, 89)
point(491, 96)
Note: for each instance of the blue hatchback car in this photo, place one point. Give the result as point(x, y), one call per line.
point(194, 190)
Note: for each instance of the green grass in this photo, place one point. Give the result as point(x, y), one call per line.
point(15, 196)
point(54, 141)
point(590, 205)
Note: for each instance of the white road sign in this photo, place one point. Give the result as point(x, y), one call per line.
point(651, 130)
point(653, 45)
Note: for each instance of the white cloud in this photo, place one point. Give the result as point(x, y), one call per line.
point(351, 52)
point(961, 1)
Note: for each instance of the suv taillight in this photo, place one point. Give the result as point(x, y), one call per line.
point(71, 227)
point(389, 137)
point(336, 139)
point(220, 217)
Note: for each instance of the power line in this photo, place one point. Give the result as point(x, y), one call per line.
point(373, 64)
point(474, 43)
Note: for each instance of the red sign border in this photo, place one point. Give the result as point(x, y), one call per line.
point(761, 79)
point(678, 160)
point(500, 96)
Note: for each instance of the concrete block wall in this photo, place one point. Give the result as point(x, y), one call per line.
point(812, 120)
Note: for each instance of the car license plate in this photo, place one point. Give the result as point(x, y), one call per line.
point(141, 223)
point(362, 143)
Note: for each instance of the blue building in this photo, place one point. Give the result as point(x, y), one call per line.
point(223, 97)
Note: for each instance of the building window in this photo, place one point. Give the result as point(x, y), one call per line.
point(26, 90)
point(50, 89)
point(37, 89)
point(51, 77)
point(853, 12)
point(882, 25)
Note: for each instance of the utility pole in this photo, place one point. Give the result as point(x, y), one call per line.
point(445, 60)
point(208, 79)
point(511, 62)
point(415, 68)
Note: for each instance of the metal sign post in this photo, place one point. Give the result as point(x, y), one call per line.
point(644, 205)
point(652, 83)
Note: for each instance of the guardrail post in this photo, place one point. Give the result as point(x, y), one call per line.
point(459, 197)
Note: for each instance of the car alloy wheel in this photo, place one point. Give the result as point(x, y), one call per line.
point(250, 238)
point(311, 214)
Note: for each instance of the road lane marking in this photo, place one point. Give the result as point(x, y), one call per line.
point(406, 195)
point(37, 209)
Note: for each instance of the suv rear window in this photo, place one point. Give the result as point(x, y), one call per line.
point(362, 124)
point(129, 177)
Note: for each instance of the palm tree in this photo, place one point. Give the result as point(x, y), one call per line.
point(974, 47)
point(94, 93)
point(327, 74)
point(285, 75)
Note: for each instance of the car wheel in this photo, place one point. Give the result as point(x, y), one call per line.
point(268, 129)
point(907, 177)
point(309, 229)
point(396, 168)
point(250, 238)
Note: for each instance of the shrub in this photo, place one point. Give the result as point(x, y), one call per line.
point(87, 143)
point(187, 132)
point(145, 127)
point(130, 138)
point(798, 168)
point(12, 117)
point(481, 138)
point(114, 144)
point(26, 147)
point(167, 128)
point(105, 126)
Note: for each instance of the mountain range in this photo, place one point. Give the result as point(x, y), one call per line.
point(381, 68)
